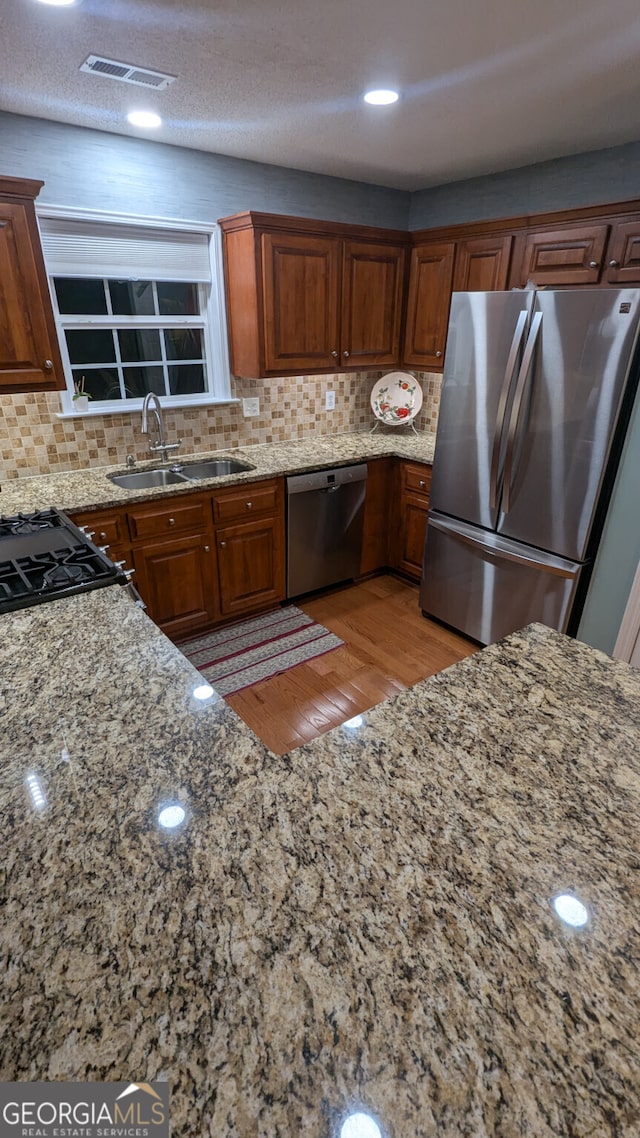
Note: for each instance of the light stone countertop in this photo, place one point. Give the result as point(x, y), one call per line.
point(364, 923)
point(91, 488)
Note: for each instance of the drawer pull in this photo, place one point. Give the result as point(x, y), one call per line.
point(207, 549)
point(172, 521)
point(438, 354)
point(249, 505)
point(614, 264)
point(223, 545)
point(422, 482)
point(103, 536)
point(593, 265)
point(48, 365)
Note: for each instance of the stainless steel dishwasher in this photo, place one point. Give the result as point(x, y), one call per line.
point(325, 512)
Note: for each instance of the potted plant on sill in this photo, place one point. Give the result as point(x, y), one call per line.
point(80, 396)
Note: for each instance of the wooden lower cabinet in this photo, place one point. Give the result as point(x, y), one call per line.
point(410, 529)
point(251, 565)
point(377, 512)
point(176, 580)
point(200, 559)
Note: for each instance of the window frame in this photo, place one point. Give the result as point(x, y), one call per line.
point(212, 317)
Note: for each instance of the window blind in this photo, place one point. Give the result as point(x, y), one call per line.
point(123, 252)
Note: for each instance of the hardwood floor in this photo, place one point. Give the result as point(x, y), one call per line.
point(388, 646)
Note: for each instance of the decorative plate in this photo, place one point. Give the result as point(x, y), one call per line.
point(396, 398)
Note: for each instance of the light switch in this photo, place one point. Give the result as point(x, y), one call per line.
point(330, 400)
point(250, 407)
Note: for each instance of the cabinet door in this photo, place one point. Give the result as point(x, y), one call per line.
point(623, 254)
point(300, 282)
point(251, 565)
point(568, 256)
point(482, 264)
point(177, 582)
point(29, 353)
point(430, 277)
point(414, 482)
point(372, 286)
point(377, 505)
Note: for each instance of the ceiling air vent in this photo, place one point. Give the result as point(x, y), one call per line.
point(126, 73)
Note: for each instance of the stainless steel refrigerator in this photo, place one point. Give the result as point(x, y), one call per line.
point(534, 400)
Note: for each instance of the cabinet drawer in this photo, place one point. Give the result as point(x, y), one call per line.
point(416, 478)
point(179, 515)
point(107, 529)
point(236, 505)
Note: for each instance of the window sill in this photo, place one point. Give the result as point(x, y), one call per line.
point(135, 408)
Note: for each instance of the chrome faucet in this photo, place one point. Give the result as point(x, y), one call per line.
point(157, 441)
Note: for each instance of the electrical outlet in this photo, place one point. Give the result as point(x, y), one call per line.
point(250, 407)
point(330, 400)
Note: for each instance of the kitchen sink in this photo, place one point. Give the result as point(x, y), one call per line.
point(145, 479)
point(193, 472)
point(214, 468)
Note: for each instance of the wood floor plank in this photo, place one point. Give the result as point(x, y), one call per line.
point(388, 647)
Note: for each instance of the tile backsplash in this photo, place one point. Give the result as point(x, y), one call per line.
point(34, 441)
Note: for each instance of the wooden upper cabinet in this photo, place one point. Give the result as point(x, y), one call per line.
point(372, 293)
point(300, 281)
point(571, 255)
point(428, 301)
point(482, 264)
point(311, 296)
point(29, 353)
point(622, 262)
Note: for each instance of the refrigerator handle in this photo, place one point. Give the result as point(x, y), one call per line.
point(512, 360)
point(523, 375)
point(545, 563)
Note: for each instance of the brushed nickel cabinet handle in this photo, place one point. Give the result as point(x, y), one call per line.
point(48, 365)
point(593, 265)
point(207, 549)
point(421, 482)
point(614, 264)
point(438, 354)
point(346, 355)
point(172, 521)
point(223, 545)
point(335, 355)
point(249, 505)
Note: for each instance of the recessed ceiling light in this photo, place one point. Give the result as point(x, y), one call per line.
point(360, 1125)
point(571, 910)
point(381, 98)
point(146, 119)
point(171, 815)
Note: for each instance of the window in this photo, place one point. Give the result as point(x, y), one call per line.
point(139, 309)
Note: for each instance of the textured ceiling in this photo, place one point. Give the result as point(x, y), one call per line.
point(486, 85)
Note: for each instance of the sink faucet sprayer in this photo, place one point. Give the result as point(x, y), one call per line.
point(157, 442)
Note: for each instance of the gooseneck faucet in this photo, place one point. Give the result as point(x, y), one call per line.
point(157, 441)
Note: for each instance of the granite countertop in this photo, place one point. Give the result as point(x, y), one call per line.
point(364, 924)
point(91, 488)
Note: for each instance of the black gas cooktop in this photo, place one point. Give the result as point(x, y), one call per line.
point(44, 556)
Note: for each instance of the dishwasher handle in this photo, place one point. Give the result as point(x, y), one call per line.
point(326, 479)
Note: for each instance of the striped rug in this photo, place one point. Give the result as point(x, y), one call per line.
point(242, 654)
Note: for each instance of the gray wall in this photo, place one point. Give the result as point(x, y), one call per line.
point(92, 169)
point(611, 175)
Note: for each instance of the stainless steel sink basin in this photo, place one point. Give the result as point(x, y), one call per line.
point(192, 472)
point(214, 468)
point(145, 479)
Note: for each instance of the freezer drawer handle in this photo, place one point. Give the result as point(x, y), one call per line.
point(504, 554)
point(512, 360)
point(523, 375)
